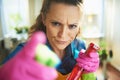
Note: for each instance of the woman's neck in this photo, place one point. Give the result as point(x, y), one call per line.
point(60, 53)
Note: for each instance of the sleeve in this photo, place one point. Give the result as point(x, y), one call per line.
point(13, 53)
point(76, 46)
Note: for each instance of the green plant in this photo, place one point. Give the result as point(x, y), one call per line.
point(103, 51)
point(20, 30)
point(17, 24)
point(102, 45)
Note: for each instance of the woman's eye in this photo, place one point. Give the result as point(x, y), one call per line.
point(72, 26)
point(55, 24)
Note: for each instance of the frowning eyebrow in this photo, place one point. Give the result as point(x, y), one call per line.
point(60, 22)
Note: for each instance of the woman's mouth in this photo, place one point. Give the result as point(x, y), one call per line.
point(61, 41)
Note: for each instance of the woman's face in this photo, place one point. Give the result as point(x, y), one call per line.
point(62, 24)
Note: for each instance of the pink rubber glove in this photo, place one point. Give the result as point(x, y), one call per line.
point(88, 63)
point(24, 67)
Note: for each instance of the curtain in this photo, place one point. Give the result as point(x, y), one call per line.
point(2, 20)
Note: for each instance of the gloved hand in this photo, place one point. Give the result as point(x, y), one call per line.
point(26, 69)
point(23, 65)
point(88, 63)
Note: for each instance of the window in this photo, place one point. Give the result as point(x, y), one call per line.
point(93, 19)
point(15, 15)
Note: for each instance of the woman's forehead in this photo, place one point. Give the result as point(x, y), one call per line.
point(62, 12)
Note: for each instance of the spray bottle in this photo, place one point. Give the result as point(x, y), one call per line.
point(77, 71)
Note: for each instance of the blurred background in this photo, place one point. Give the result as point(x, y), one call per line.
point(101, 25)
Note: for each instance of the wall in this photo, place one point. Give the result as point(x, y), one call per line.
point(112, 24)
point(34, 9)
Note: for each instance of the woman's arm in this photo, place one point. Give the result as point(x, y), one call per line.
point(13, 53)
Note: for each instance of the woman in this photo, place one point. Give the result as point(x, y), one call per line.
point(61, 20)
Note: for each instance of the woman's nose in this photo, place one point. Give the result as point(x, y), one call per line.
point(62, 31)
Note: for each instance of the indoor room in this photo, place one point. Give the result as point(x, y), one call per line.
point(99, 25)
